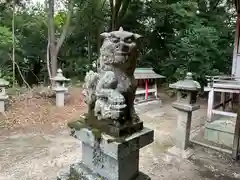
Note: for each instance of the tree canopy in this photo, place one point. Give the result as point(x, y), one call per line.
point(178, 35)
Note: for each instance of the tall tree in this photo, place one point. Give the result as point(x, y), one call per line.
point(54, 44)
point(118, 10)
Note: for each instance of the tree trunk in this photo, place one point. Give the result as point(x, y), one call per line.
point(89, 50)
point(51, 33)
point(54, 45)
point(98, 41)
point(13, 45)
point(118, 10)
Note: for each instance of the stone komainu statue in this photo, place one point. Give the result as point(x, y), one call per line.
point(110, 93)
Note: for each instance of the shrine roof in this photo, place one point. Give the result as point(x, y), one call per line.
point(146, 73)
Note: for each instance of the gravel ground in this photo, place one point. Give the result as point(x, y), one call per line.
point(39, 151)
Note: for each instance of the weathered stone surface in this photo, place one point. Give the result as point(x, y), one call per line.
point(186, 107)
point(118, 131)
point(110, 92)
point(3, 95)
point(220, 132)
point(78, 172)
point(106, 126)
point(113, 147)
point(81, 172)
point(182, 133)
point(3, 103)
point(60, 88)
point(60, 98)
point(186, 103)
point(187, 84)
point(111, 158)
point(111, 132)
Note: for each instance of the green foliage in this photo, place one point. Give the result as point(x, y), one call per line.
point(178, 36)
point(5, 38)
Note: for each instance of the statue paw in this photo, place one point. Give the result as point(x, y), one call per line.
point(135, 117)
point(117, 124)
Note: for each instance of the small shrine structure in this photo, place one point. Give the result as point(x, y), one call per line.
point(220, 126)
point(146, 84)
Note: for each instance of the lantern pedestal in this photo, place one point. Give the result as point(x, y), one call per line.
point(182, 135)
point(3, 95)
point(2, 103)
point(60, 96)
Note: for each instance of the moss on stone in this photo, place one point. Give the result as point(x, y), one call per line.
point(80, 124)
point(74, 175)
point(97, 134)
point(118, 140)
point(77, 125)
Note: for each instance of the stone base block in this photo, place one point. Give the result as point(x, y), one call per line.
point(110, 158)
point(81, 172)
point(185, 154)
point(220, 132)
point(78, 172)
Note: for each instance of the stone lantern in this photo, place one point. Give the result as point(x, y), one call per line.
point(3, 95)
point(187, 91)
point(60, 88)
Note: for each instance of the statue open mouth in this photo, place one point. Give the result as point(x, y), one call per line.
point(121, 53)
point(118, 107)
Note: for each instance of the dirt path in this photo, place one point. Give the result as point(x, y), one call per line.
point(38, 152)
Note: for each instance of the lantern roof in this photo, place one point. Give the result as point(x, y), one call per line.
point(59, 76)
point(3, 82)
point(187, 84)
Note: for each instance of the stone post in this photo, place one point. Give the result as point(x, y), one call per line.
point(187, 90)
point(3, 95)
point(60, 88)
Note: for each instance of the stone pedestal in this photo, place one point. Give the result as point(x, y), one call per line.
point(109, 158)
point(182, 135)
point(60, 93)
point(2, 103)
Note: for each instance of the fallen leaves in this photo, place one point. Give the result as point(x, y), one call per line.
point(33, 109)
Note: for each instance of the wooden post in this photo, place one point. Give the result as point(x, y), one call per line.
point(146, 89)
point(236, 48)
point(230, 104)
point(210, 104)
point(223, 100)
point(156, 92)
point(235, 151)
